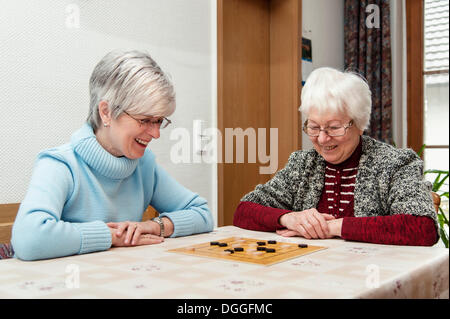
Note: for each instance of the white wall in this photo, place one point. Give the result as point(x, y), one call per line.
point(323, 23)
point(48, 51)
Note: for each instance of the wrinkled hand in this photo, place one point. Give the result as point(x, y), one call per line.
point(334, 225)
point(288, 233)
point(308, 223)
point(134, 233)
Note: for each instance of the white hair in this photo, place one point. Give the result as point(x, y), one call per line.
point(130, 81)
point(329, 91)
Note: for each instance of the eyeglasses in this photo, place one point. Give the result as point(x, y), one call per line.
point(160, 123)
point(314, 130)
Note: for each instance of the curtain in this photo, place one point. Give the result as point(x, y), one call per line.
point(368, 52)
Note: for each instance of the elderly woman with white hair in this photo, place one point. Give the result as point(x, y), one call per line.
point(349, 185)
point(90, 194)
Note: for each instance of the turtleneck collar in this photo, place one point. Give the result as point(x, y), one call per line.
point(85, 144)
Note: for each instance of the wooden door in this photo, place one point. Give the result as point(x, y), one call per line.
point(258, 87)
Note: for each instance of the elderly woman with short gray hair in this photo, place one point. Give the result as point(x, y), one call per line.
point(90, 194)
point(349, 185)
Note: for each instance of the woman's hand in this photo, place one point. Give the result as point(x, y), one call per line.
point(288, 233)
point(146, 239)
point(135, 233)
point(334, 225)
point(308, 223)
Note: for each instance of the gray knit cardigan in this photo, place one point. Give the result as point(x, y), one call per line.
point(389, 181)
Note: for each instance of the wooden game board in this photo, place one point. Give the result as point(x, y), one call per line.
point(284, 250)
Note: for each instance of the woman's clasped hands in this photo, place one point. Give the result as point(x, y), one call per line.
point(310, 224)
point(131, 233)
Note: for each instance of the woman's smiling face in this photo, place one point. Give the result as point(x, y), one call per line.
point(124, 136)
point(130, 139)
point(334, 149)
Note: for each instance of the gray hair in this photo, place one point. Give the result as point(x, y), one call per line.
point(130, 81)
point(330, 90)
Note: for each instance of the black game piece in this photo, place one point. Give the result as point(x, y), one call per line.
point(223, 244)
point(230, 250)
point(214, 243)
point(261, 243)
point(303, 245)
point(270, 250)
point(238, 249)
point(261, 248)
point(272, 241)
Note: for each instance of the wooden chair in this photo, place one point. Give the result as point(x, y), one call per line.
point(149, 213)
point(436, 201)
point(7, 216)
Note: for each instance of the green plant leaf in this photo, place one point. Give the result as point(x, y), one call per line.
point(441, 182)
point(438, 182)
point(444, 237)
point(421, 150)
point(435, 183)
point(435, 171)
point(442, 215)
point(440, 221)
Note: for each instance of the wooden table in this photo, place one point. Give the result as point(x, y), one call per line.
point(343, 270)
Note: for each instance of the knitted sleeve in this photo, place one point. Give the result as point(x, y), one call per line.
point(257, 217)
point(409, 192)
point(39, 232)
point(401, 229)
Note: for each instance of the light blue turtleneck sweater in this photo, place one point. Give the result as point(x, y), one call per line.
point(78, 187)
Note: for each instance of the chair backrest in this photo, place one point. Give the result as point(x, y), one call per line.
point(8, 214)
point(436, 201)
point(149, 213)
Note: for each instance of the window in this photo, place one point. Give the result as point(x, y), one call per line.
point(436, 81)
point(427, 23)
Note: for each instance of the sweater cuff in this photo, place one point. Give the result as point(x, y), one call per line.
point(182, 223)
point(255, 216)
point(95, 236)
point(350, 227)
point(277, 215)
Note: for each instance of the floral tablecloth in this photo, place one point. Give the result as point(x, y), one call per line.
point(343, 270)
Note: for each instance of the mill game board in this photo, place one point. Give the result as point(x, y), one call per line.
point(256, 251)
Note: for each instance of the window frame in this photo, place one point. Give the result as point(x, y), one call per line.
point(415, 76)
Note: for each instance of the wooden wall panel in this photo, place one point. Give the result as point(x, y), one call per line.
point(285, 31)
point(258, 87)
point(243, 90)
point(415, 57)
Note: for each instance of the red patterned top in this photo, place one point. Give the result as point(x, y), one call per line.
point(337, 199)
point(338, 193)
